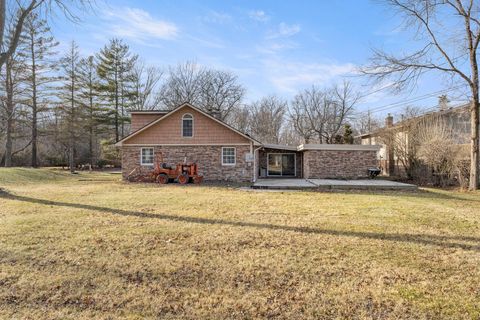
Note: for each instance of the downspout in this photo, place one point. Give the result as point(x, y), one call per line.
point(255, 162)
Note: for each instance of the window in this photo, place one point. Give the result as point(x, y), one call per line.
point(187, 125)
point(146, 157)
point(228, 156)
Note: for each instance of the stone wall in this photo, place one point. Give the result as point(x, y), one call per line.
point(338, 164)
point(208, 158)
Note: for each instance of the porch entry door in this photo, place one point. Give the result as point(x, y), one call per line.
point(281, 164)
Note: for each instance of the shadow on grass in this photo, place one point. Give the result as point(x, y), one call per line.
point(423, 193)
point(424, 239)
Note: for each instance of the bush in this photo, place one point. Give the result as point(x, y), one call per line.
point(462, 167)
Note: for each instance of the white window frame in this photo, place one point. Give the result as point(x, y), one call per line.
point(193, 123)
point(153, 156)
point(234, 156)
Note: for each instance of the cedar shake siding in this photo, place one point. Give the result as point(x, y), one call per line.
point(205, 131)
point(335, 164)
point(208, 158)
point(141, 119)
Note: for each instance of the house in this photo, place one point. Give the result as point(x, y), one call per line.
point(188, 134)
point(456, 117)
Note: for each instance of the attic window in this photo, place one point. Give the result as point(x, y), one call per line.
point(187, 125)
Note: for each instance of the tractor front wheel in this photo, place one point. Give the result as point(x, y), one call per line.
point(162, 178)
point(183, 178)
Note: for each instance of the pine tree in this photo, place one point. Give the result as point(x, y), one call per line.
point(89, 83)
point(347, 134)
point(39, 53)
point(70, 107)
point(12, 75)
point(114, 66)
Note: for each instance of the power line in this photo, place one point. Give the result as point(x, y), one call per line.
point(421, 72)
point(408, 101)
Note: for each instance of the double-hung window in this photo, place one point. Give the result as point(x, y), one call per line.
point(147, 157)
point(228, 156)
point(187, 125)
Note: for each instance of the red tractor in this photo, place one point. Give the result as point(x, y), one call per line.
point(182, 172)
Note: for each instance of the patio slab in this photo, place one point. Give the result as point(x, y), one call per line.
point(283, 184)
point(366, 184)
point(377, 184)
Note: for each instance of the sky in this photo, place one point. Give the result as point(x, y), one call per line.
point(274, 47)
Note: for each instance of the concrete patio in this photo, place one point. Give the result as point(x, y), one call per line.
point(327, 184)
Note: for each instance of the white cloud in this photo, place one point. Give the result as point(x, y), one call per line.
point(274, 47)
point(289, 76)
point(284, 31)
point(217, 17)
point(258, 15)
point(138, 24)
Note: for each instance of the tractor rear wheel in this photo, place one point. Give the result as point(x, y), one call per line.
point(197, 179)
point(183, 178)
point(162, 178)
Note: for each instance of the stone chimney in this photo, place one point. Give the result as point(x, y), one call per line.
point(443, 102)
point(389, 121)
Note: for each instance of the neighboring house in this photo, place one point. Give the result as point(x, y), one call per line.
point(457, 118)
point(188, 134)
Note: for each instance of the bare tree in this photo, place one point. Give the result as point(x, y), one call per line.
point(320, 114)
point(220, 93)
point(340, 109)
point(11, 87)
point(239, 118)
point(19, 11)
point(438, 51)
point(215, 91)
point(267, 119)
point(145, 81)
point(365, 122)
point(307, 113)
point(182, 85)
point(437, 148)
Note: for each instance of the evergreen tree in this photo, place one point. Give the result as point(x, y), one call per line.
point(11, 88)
point(347, 134)
point(89, 82)
point(40, 56)
point(70, 108)
point(115, 63)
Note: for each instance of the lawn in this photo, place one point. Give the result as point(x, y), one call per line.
point(90, 246)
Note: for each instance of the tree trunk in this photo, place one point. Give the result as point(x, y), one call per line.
point(34, 104)
point(71, 147)
point(9, 142)
point(474, 160)
point(71, 155)
point(10, 114)
point(90, 141)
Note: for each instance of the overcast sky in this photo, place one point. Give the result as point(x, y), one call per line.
point(275, 47)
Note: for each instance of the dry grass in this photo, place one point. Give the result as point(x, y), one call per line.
point(90, 246)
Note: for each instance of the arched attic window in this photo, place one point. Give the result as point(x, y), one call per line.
point(187, 125)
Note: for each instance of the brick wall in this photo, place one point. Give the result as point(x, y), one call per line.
point(351, 164)
point(208, 158)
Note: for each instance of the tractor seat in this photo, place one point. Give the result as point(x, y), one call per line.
point(166, 166)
